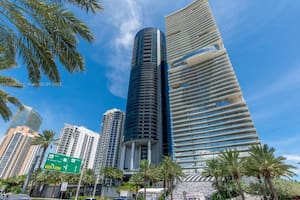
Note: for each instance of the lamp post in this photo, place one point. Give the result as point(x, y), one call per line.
point(81, 173)
point(24, 188)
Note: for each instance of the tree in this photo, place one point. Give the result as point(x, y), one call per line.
point(213, 168)
point(146, 170)
point(233, 166)
point(40, 33)
point(88, 179)
point(171, 171)
point(268, 165)
point(45, 140)
point(112, 173)
point(5, 98)
point(136, 180)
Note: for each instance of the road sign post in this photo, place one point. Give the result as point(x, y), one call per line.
point(62, 163)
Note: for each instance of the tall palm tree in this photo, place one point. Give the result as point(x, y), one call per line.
point(268, 165)
point(171, 171)
point(40, 33)
point(45, 140)
point(232, 165)
point(213, 168)
point(146, 170)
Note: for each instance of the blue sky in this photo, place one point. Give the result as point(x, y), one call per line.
point(262, 39)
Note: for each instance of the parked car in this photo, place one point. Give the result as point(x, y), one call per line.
point(122, 198)
point(15, 197)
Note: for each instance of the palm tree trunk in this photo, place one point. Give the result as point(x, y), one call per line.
point(136, 191)
point(273, 190)
point(262, 189)
point(218, 187)
point(164, 186)
point(145, 181)
point(42, 157)
point(240, 188)
point(171, 189)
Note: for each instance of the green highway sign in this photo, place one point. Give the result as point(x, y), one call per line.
point(62, 163)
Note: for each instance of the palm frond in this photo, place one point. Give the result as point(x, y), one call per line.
point(7, 81)
point(5, 111)
point(88, 5)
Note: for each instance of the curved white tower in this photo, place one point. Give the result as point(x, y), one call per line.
point(208, 111)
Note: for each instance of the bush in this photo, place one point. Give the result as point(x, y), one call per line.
point(287, 189)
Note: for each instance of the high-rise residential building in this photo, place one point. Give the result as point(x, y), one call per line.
point(109, 144)
point(146, 128)
point(208, 111)
point(26, 117)
point(78, 142)
point(16, 152)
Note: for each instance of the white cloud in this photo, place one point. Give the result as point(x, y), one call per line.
point(285, 141)
point(115, 29)
point(295, 158)
point(117, 25)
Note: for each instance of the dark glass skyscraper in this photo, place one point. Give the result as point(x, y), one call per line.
point(147, 131)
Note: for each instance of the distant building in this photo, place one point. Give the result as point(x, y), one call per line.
point(26, 117)
point(109, 144)
point(208, 110)
point(16, 152)
point(146, 129)
point(78, 142)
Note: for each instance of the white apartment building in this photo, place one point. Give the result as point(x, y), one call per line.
point(109, 145)
point(78, 142)
point(208, 111)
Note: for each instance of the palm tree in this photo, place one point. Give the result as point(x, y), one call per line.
point(268, 165)
point(146, 170)
point(171, 171)
point(40, 33)
point(232, 165)
point(88, 179)
point(213, 168)
point(112, 173)
point(45, 140)
point(136, 180)
point(5, 98)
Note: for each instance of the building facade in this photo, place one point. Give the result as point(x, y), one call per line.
point(208, 111)
point(26, 117)
point(109, 144)
point(146, 129)
point(78, 142)
point(16, 152)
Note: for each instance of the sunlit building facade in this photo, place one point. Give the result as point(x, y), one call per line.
point(16, 152)
point(208, 111)
point(109, 144)
point(78, 142)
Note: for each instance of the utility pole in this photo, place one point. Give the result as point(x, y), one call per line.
point(96, 182)
point(29, 174)
point(82, 172)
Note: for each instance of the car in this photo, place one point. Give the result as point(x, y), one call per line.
point(122, 198)
point(15, 197)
